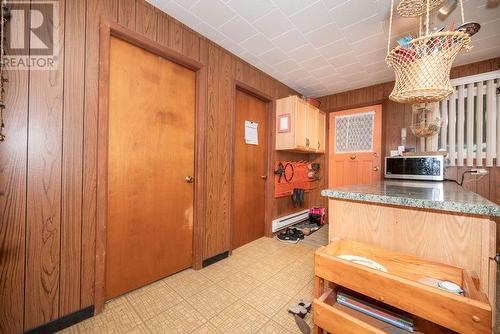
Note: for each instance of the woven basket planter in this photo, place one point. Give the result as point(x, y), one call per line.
point(414, 8)
point(422, 69)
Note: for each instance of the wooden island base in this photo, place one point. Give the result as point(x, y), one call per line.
point(462, 240)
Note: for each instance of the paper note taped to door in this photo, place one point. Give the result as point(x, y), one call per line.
point(251, 134)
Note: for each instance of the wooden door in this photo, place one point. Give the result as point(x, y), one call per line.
point(151, 152)
point(355, 146)
point(250, 166)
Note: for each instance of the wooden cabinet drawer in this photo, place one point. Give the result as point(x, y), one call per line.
point(408, 285)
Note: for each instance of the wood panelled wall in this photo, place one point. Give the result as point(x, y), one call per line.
point(397, 116)
point(48, 161)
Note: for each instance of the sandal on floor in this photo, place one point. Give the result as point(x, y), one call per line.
point(305, 304)
point(297, 310)
point(284, 237)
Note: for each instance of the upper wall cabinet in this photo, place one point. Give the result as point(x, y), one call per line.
point(300, 127)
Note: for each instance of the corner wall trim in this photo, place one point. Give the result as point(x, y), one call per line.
point(64, 322)
point(215, 258)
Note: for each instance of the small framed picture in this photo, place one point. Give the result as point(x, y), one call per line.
point(284, 122)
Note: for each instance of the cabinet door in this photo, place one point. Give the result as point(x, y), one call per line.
point(300, 126)
point(312, 128)
point(321, 132)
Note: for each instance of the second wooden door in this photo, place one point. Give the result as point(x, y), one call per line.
point(151, 152)
point(355, 150)
point(250, 168)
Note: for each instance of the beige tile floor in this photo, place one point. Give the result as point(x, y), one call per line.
point(249, 292)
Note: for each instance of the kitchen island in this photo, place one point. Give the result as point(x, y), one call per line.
point(439, 221)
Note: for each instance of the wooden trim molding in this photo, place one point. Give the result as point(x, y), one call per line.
point(107, 30)
point(269, 190)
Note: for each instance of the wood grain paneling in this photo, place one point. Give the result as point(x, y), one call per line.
point(146, 19)
point(72, 164)
point(397, 116)
point(43, 226)
point(95, 9)
point(42, 172)
point(13, 153)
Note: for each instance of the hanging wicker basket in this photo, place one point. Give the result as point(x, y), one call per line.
point(414, 8)
point(423, 67)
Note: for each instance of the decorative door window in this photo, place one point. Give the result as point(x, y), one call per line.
point(354, 133)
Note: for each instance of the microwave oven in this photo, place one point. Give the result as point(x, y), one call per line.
point(422, 167)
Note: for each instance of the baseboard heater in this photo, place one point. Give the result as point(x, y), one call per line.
point(294, 218)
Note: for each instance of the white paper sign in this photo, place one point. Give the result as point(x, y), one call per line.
point(251, 134)
point(283, 124)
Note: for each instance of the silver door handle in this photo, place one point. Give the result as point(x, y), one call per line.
point(189, 179)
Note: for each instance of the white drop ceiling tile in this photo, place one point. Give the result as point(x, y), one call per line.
point(371, 57)
point(257, 44)
point(273, 24)
point(290, 40)
point(238, 29)
point(371, 43)
point(213, 12)
point(361, 30)
point(186, 3)
point(311, 18)
point(488, 29)
point(314, 63)
point(335, 49)
point(229, 45)
point(273, 56)
point(303, 53)
point(250, 58)
point(323, 72)
point(353, 11)
point(290, 7)
point(375, 67)
point(345, 33)
point(252, 10)
point(209, 32)
point(324, 35)
point(345, 59)
point(285, 66)
point(297, 74)
point(351, 68)
point(330, 4)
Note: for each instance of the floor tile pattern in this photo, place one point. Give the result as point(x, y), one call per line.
point(249, 292)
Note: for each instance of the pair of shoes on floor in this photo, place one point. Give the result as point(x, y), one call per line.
point(291, 235)
point(299, 311)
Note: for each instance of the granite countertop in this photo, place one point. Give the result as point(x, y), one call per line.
point(445, 196)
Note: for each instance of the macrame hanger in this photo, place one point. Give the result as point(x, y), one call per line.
point(427, 19)
point(461, 4)
point(390, 28)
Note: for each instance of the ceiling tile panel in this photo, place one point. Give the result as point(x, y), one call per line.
point(322, 47)
point(290, 7)
point(251, 10)
point(273, 24)
point(213, 12)
point(290, 40)
point(311, 18)
point(237, 29)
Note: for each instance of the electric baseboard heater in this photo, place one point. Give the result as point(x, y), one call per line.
point(285, 221)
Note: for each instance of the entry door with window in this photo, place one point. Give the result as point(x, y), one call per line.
point(355, 146)
point(149, 232)
point(250, 165)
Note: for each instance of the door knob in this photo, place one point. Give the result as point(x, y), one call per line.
point(375, 169)
point(189, 179)
point(353, 157)
point(264, 177)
